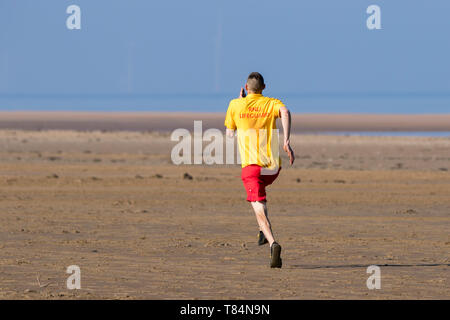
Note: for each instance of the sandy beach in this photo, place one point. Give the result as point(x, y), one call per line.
point(113, 203)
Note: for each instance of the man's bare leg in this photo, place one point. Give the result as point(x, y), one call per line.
point(260, 209)
point(264, 224)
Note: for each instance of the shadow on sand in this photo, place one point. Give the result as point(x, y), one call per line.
point(342, 266)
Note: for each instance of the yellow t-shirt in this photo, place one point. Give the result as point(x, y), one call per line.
point(254, 117)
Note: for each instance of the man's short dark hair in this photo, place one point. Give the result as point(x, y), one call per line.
point(255, 82)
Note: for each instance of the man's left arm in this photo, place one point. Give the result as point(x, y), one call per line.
point(285, 116)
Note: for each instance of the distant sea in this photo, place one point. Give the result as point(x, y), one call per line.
point(375, 103)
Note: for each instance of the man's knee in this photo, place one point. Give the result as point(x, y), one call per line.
point(259, 207)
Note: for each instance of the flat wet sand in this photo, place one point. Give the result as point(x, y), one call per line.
point(168, 121)
point(114, 204)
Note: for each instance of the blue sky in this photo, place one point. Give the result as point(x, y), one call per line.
point(303, 48)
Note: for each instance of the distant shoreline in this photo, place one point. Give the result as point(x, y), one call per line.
point(168, 121)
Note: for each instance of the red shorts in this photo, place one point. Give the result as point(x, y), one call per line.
point(255, 183)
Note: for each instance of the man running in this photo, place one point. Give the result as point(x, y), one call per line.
point(254, 117)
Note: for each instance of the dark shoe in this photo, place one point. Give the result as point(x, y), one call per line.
point(275, 256)
point(262, 239)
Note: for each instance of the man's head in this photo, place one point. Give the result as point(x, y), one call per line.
point(255, 83)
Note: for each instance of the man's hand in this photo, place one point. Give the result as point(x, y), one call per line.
point(242, 94)
point(287, 148)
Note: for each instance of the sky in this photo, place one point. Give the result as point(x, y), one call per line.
point(318, 55)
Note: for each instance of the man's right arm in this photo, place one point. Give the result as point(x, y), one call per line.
point(229, 121)
point(230, 133)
